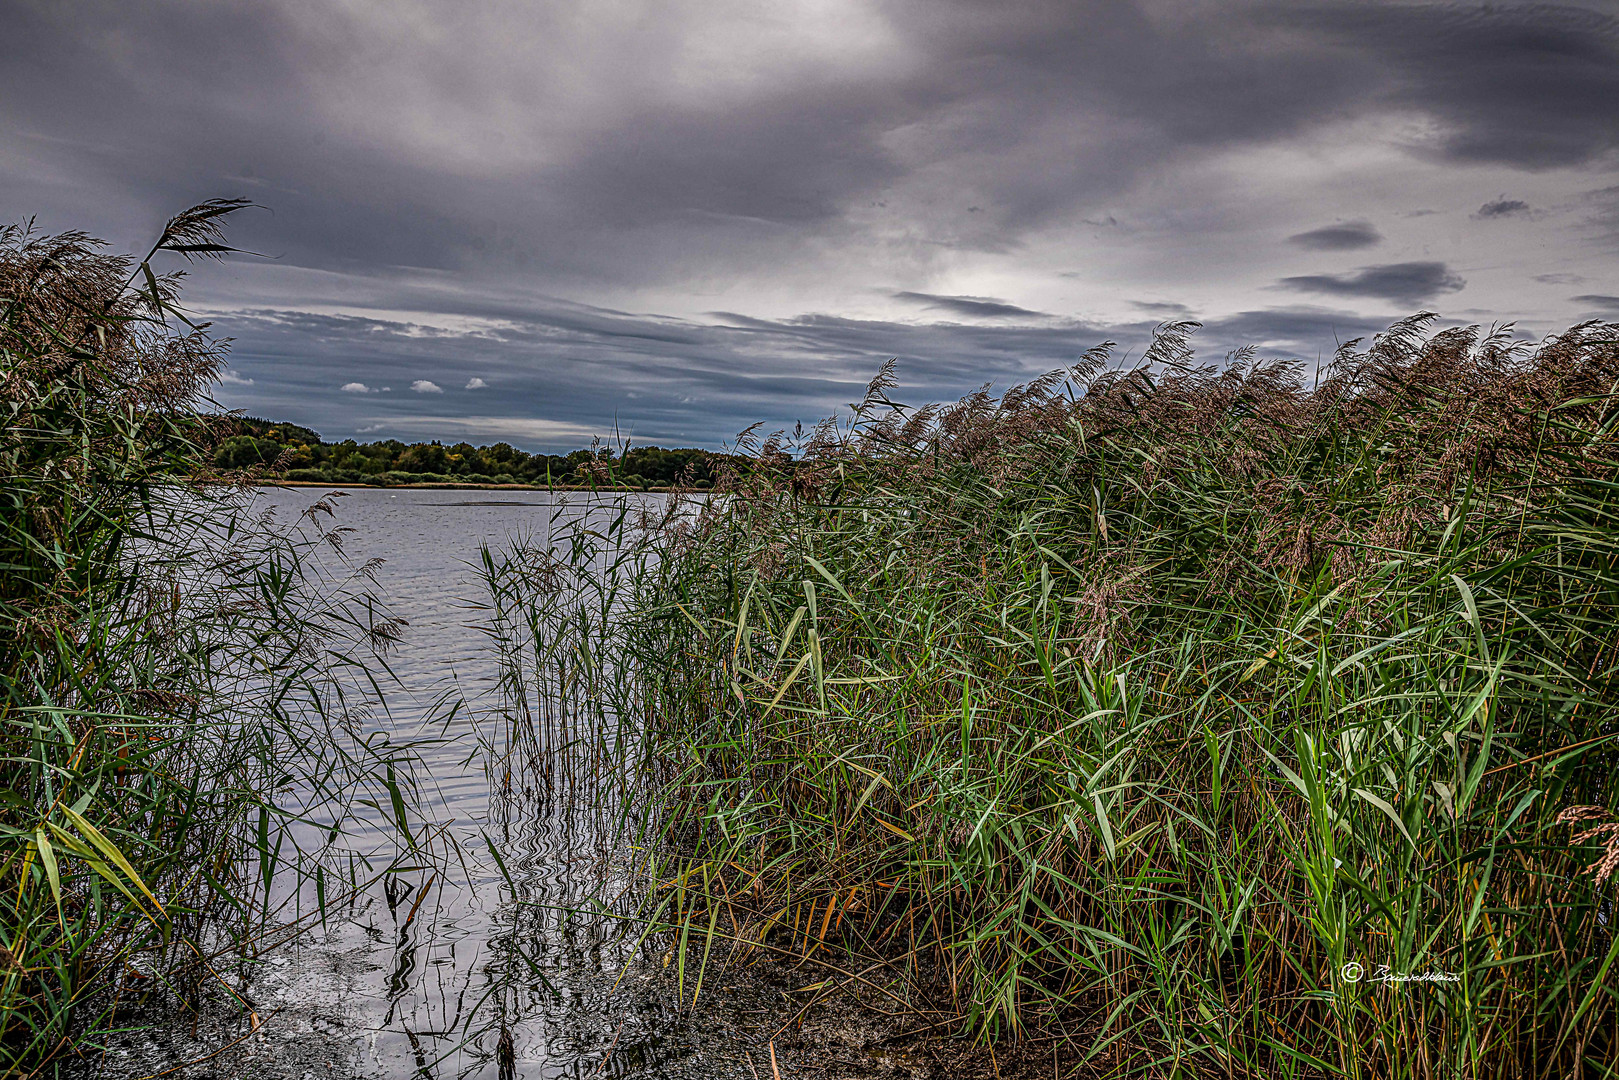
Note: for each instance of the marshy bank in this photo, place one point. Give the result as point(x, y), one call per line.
point(247, 819)
point(1168, 720)
point(1150, 719)
point(180, 690)
point(209, 757)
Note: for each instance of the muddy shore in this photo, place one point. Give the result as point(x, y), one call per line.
point(306, 1024)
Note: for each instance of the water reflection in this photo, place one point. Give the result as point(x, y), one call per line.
point(478, 961)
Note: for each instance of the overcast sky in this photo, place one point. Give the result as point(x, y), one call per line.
point(534, 220)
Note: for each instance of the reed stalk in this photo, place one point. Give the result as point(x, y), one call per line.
point(184, 687)
point(1206, 720)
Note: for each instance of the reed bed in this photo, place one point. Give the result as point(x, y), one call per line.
point(1191, 720)
point(186, 706)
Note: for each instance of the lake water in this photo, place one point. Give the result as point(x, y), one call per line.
point(454, 971)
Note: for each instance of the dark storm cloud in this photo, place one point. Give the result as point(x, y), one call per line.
point(1597, 300)
point(1345, 237)
point(1530, 84)
point(519, 150)
point(1402, 283)
point(1502, 208)
point(980, 306)
point(1023, 112)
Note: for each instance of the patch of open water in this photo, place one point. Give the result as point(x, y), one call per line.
point(469, 969)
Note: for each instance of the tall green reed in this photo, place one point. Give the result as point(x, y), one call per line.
point(1206, 721)
point(184, 719)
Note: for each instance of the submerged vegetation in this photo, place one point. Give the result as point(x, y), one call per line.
point(1190, 720)
point(178, 695)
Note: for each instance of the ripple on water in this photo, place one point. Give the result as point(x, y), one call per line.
point(459, 974)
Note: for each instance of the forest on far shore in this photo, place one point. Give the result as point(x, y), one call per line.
point(292, 452)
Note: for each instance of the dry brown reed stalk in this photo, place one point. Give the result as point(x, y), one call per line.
point(1606, 834)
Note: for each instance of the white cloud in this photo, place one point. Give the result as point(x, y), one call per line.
point(476, 383)
point(423, 386)
point(511, 428)
point(356, 388)
point(230, 377)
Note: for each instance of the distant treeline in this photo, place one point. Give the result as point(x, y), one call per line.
point(297, 453)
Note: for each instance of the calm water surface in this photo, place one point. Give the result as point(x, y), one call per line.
point(453, 972)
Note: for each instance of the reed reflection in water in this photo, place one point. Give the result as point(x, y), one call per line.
point(481, 959)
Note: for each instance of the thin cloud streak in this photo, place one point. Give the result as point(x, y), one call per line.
point(983, 307)
point(1402, 283)
point(1499, 208)
point(1347, 236)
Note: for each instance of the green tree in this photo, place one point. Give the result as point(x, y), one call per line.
point(467, 461)
point(425, 457)
point(244, 451)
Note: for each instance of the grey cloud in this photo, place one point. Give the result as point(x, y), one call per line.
point(1597, 300)
point(1306, 333)
point(1402, 283)
point(468, 160)
point(1523, 84)
point(566, 370)
point(503, 147)
point(581, 369)
point(1343, 237)
point(1502, 208)
point(980, 306)
point(1604, 214)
